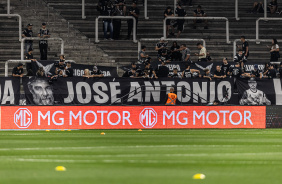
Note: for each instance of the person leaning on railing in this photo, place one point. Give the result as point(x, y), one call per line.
point(18, 70)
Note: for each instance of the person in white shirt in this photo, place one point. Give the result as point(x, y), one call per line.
point(274, 50)
point(203, 52)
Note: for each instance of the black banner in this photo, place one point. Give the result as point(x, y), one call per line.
point(78, 69)
point(117, 91)
point(10, 90)
point(181, 66)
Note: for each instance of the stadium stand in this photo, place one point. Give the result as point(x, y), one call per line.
point(78, 48)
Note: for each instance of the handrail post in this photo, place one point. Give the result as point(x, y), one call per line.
point(227, 31)
point(146, 9)
point(6, 69)
point(83, 9)
point(175, 5)
point(265, 8)
point(8, 7)
point(62, 47)
point(22, 48)
point(96, 30)
point(134, 30)
point(257, 30)
point(234, 47)
point(139, 49)
point(164, 28)
point(236, 10)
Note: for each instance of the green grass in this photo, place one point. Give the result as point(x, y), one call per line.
point(150, 156)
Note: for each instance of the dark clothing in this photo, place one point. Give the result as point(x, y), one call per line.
point(180, 23)
point(274, 56)
point(69, 72)
point(244, 48)
point(163, 71)
point(28, 65)
point(159, 45)
point(271, 73)
point(149, 71)
point(130, 22)
point(225, 68)
point(175, 56)
point(165, 58)
point(201, 12)
point(219, 73)
point(188, 74)
point(98, 72)
point(239, 58)
point(129, 74)
point(43, 44)
point(236, 72)
point(175, 76)
point(280, 72)
point(256, 73)
point(17, 71)
point(28, 33)
point(168, 14)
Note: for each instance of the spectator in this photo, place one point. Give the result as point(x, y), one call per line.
point(43, 44)
point(219, 73)
point(163, 70)
point(96, 72)
point(272, 7)
point(18, 70)
point(265, 69)
point(148, 71)
point(257, 7)
point(188, 73)
point(68, 69)
point(225, 66)
point(175, 52)
point(133, 11)
point(256, 72)
point(164, 57)
point(130, 73)
point(40, 72)
point(168, 13)
point(240, 58)
point(142, 54)
point(118, 11)
point(245, 50)
point(175, 74)
point(235, 71)
point(120, 4)
point(271, 72)
point(29, 56)
point(179, 12)
point(108, 24)
point(137, 68)
point(203, 52)
point(185, 53)
point(162, 45)
point(101, 6)
point(208, 74)
point(274, 50)
point(60, 66)
point(87, 73)
point(200, 13)
point(28, 33)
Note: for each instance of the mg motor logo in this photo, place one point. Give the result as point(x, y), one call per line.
point(23, 118)
point(148, 118)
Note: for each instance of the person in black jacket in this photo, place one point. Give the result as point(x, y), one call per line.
point(68, 70)
point(163, 70)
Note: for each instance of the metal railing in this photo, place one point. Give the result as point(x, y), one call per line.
point(114, 17)
point(257, 25)
point(146, 9)
point(21, 61)
point(167, 39)
point(236, 9)
point(83, 9)
point(20, 22)
point(249, 40)
point(199, 18)
point(8, 7)
point(37, 38)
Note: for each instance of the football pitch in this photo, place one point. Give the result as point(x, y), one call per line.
point(141, 157)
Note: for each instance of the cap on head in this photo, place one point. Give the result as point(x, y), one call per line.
point(255, 66)
point(29, 24)
point(20, 64)
point(43, 24)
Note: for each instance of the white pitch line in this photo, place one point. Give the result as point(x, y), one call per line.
point(151, 155)
point(137, 146)
point(222, 162)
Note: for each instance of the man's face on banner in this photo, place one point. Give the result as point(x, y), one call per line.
point(42, 92)
point(253, 85)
